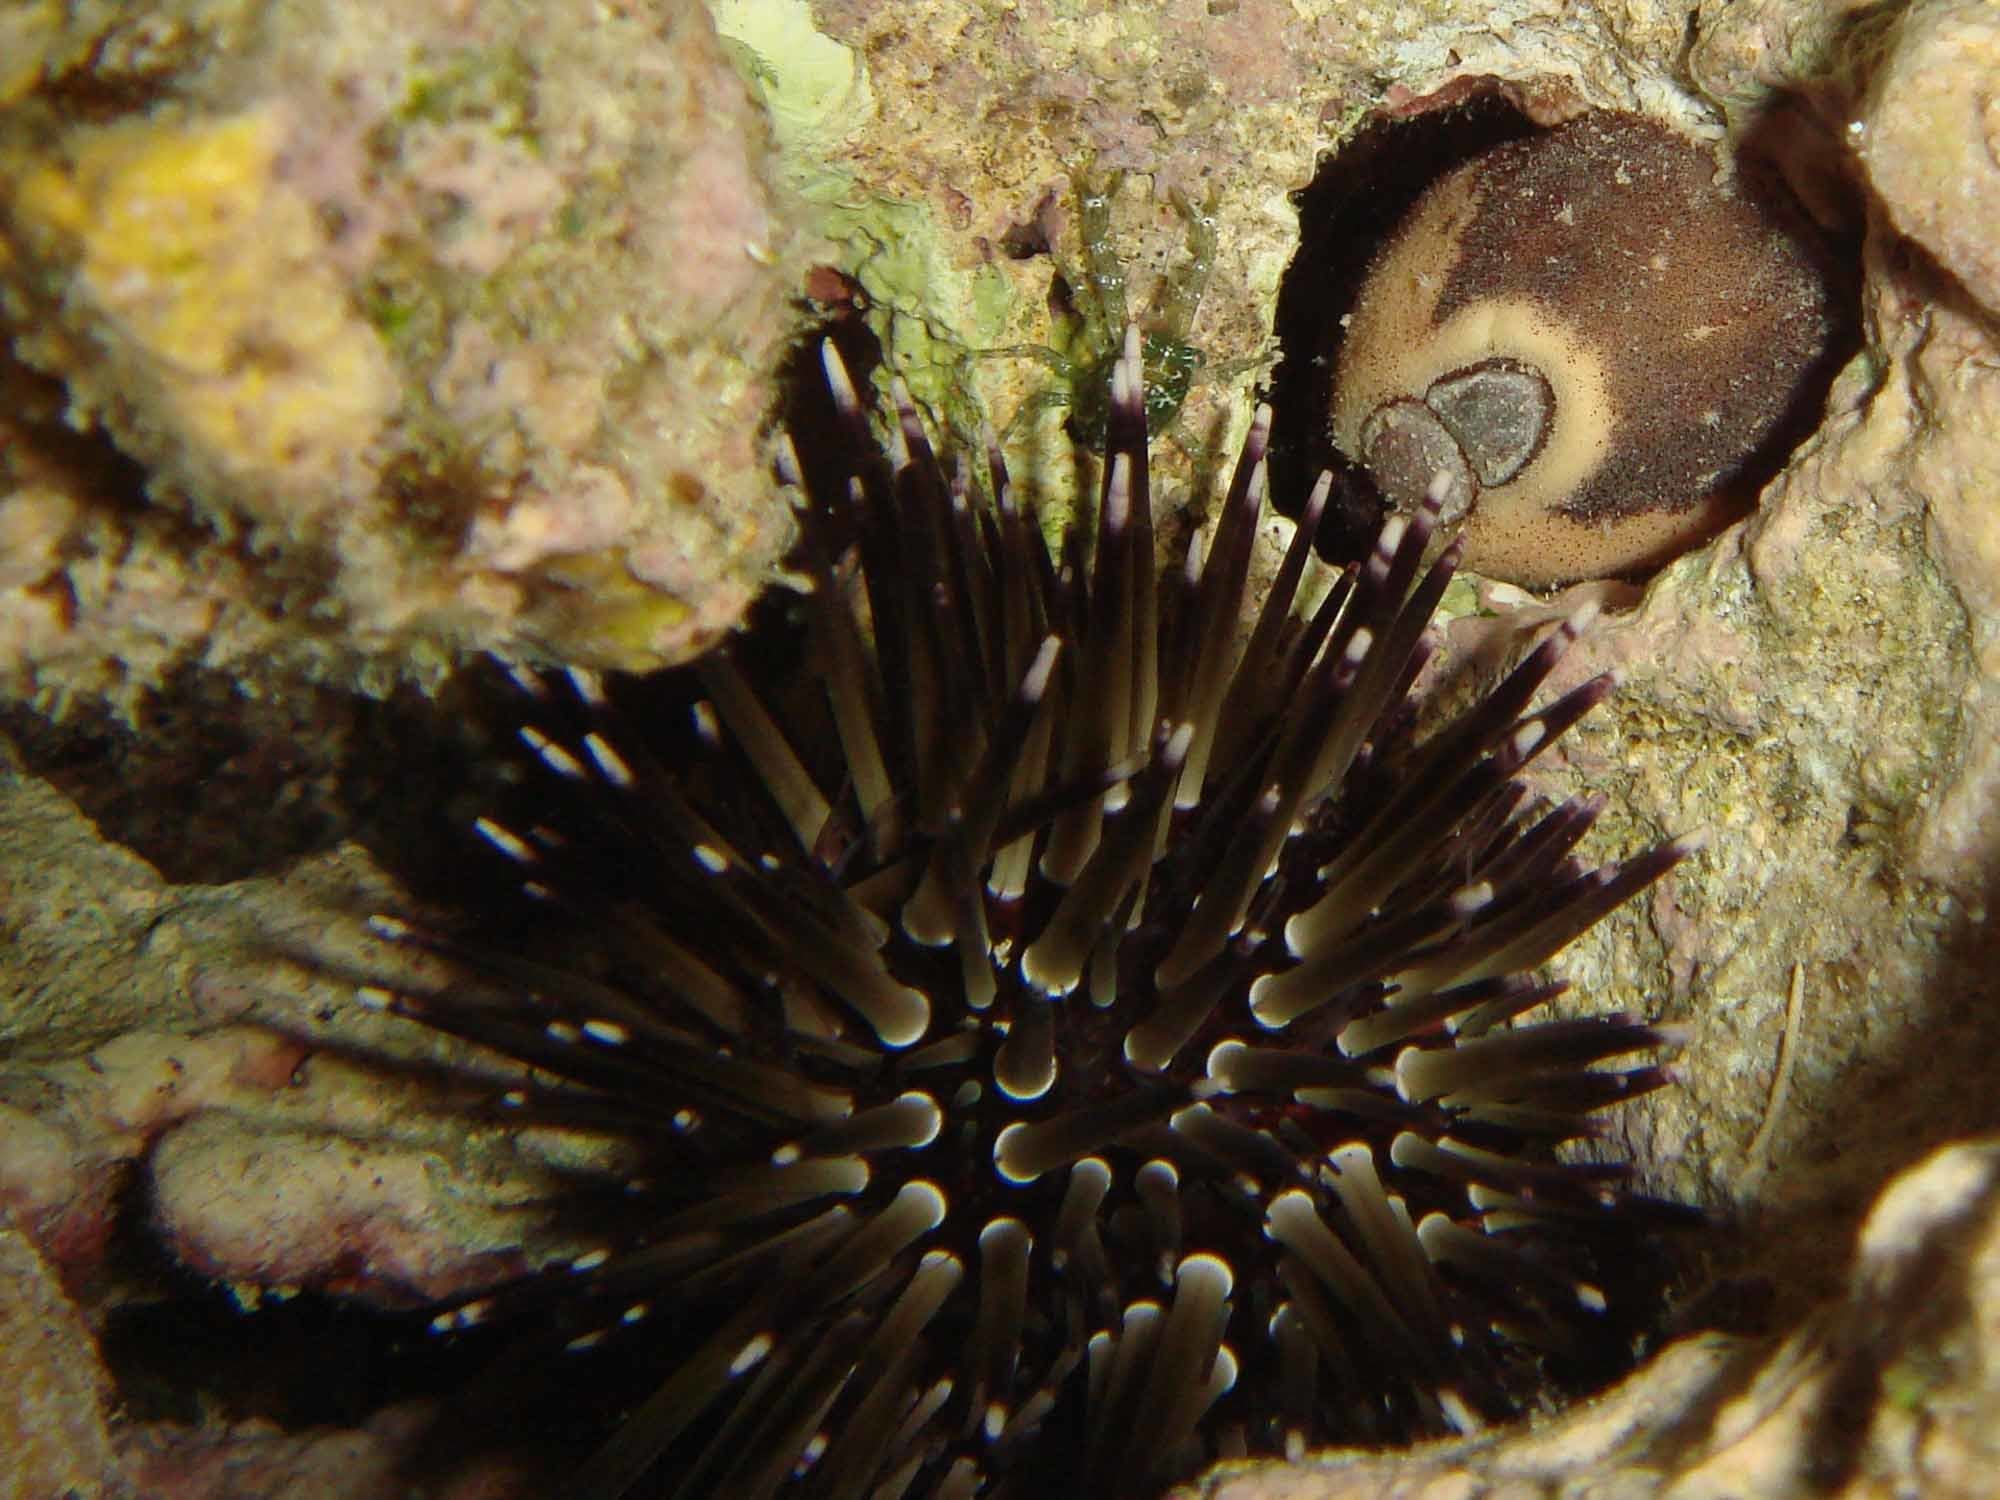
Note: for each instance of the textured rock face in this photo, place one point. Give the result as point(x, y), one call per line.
point(1929, 136)
point(53, 1423)
point(434, 331)
point(1816, 689)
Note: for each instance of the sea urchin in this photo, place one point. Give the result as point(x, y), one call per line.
point(1101, 1063)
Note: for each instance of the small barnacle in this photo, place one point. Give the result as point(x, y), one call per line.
point(1091, 328)
point(1594, 338)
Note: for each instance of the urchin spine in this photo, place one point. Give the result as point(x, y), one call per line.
point(1088, 1041)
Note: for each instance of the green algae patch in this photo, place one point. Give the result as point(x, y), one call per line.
point(815, 89)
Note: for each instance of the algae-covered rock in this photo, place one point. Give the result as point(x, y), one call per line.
point(429, 331)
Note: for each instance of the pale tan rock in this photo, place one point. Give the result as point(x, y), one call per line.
point(54, 1394)
point(1928, 135)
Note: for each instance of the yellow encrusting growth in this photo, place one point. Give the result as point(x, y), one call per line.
point(625, 618)
point(210, 268)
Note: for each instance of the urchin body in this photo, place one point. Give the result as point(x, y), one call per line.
point(1078, 1048)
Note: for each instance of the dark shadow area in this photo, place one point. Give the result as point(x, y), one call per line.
point(183, 1349)
point(192, 1353)
point(211, 786)
point(1882, 1110)
point(1778, 167)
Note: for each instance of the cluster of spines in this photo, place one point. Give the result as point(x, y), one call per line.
point(1077, 1081)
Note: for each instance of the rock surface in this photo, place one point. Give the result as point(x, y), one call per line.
point(428, 331)
point(1816, 689)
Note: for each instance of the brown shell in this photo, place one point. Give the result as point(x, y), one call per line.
point(1673, 317)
